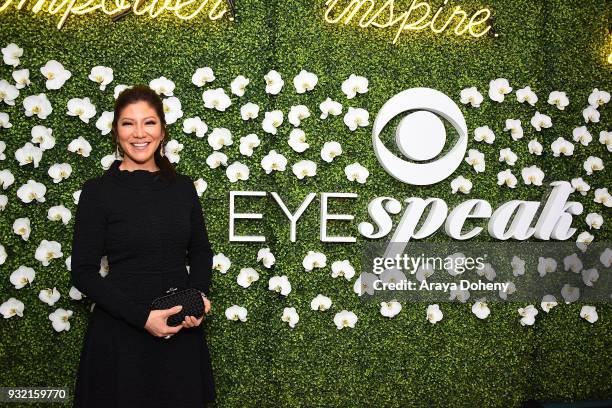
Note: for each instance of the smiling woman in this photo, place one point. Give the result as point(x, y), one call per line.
point(185, 10)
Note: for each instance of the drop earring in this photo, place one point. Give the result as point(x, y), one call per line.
point(161, 149)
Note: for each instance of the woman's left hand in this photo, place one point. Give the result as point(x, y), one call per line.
point(191, 321)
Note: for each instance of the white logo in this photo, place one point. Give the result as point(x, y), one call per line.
point(420, 136)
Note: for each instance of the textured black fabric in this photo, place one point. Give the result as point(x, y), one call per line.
point(150, 229)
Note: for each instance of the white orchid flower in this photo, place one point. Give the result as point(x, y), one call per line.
point(570, 293)
point(9, 92)
point(330, 151)
point(237, 171)
point(572, 263)
point(236, 313)
point(297, 114)
point(273, 161)
point(592, 164)
point(598, 98)
point(532, 175)
point(518, 266)
point(498, 89)
point(526, 95)
point(476, 159)
point(297, 140)
point(239, 84)
point(195, 125)
point(246, 277)
point(173, 109)
point(508, 156)
point(471, 96)
point(216, 159)
point(280, 284)
point(75, 294)
point(49, 296)
point(220, 137)
point(216, 99)
point(22, 78)
point(535, 147)
point(481, 309)
point(606, 257)
point(38, 105)
point(172, 150)
point(200, 185)
point(365, 284)
point(47, 251)
point(540, 121)
point(594, 220)
point(101, 75)
point(202, 76)
point(221, 262)
point(6, 178)
point(304, 168)
point(314, 260)
point(590, 114)
point(484, 133)
point(510, 289)
point(390, 309)
point(120, 88)
point(59, 213)
point(60, 171)
point(22, 276)
point(272, 121)
point(562, 147)
point(330, 107)
point(81, 107)
point(515, 128)
point(5, 123)
point(31, 191)
point(304, 81)
point(590, 276)
point(434, 314)
point(353, 85)
point(589, 313)
point(558, 99)
point(290, 316)
point(29, 154)
point(461, 184)
point(55, 73)
point(548, 302)
point(356, 117)
point(320, 303)
point(602, 196)
point(162, 86)
point(81, 146)
point(22, 227)
point(528, 315)
point(11, 54)
point(605, 138)
point(105, 122)
point(247, 143)
point(266, 257)
point(344, 319)
point(578, 184)
point(274, 82)
point(342, 269)
point(249, 111)
point(12, 307)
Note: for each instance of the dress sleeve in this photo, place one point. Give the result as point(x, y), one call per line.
point(88, 246)
point(200, 253)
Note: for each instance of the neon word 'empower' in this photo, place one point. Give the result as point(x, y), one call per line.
point(183, 9)
point(418, 17)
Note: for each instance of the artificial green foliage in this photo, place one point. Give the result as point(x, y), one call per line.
point(402, 362)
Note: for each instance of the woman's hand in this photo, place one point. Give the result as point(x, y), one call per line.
point(191, 321)
point(157, 322)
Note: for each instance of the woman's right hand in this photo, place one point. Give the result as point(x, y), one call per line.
point(157, 322)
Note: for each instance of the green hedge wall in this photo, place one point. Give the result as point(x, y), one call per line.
point(405, 361)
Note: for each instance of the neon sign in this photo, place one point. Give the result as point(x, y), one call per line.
point(183, 9)
point(417, 17)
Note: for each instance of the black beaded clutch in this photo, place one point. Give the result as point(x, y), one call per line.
point(190, 299)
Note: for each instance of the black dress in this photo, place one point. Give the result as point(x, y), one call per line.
point(150, 229)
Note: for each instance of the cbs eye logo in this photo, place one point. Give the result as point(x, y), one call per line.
point(420, 136)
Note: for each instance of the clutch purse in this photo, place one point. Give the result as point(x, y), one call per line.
point(190, 299)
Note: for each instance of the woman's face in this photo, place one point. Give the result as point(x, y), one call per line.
point(139, 133)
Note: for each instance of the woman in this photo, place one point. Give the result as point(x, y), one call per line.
point(147, 220)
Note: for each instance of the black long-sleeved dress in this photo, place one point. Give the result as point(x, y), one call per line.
point(150, 229)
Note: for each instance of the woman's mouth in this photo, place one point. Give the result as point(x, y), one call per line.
point(140, 146)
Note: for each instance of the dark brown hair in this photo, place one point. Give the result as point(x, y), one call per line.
point(138, 93)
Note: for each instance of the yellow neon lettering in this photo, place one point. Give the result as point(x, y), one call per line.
point(418, 17)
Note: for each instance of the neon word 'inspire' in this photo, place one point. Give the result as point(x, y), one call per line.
point(419, 16)
point(183, 9)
